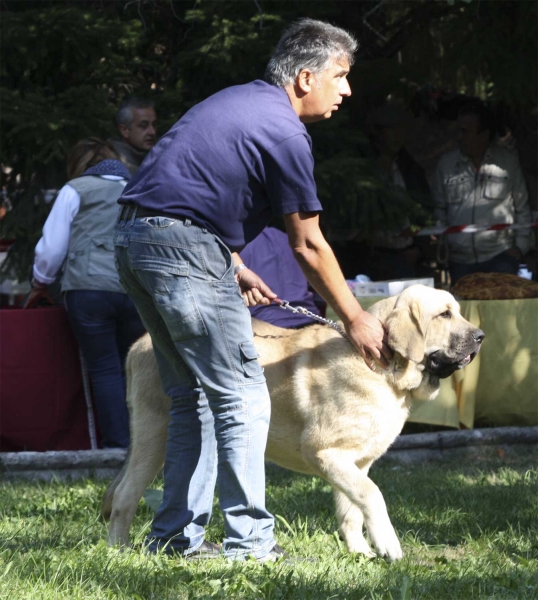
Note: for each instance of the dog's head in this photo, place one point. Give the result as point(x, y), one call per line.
point(425, 326)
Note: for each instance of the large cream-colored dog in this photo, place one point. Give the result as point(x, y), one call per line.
point(332, 415)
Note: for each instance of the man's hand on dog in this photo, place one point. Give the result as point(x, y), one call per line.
point(254, 290)
point(367, 334)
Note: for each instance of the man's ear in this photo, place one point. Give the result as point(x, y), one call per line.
point(125, 131)
point(405, 334)
point(305, 81)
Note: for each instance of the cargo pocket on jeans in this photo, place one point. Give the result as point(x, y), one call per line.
point(249, 360)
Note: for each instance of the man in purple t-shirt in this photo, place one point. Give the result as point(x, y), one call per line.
point(207, 188)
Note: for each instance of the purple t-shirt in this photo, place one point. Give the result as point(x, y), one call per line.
point(270, 256)
point(230, 163)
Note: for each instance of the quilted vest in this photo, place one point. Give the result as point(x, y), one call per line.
point(90, 261)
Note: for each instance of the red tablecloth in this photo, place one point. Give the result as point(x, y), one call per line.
point(42, 405)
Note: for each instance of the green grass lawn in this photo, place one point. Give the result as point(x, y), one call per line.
point(467, 531)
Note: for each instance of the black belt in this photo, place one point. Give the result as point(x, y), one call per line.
point(146, 212)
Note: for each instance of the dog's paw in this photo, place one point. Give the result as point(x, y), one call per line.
point(391, 552)
point(360, 546)
point(386, 543)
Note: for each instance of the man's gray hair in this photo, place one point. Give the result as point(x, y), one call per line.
point(125, 111)
point(308, 44)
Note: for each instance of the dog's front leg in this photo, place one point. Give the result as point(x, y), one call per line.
point(339, 469)
point(350, 524)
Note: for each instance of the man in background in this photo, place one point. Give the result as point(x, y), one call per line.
point(137, 125)
point(482, 183)
point(392, 256)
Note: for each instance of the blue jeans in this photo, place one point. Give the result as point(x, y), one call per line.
point(181, 280)
point(106, 324)
point(501, 263)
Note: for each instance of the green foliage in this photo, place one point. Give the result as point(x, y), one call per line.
point(66, 66)
point(359, 201)
point(23, 225)
point(485, 48)
point(61, 68)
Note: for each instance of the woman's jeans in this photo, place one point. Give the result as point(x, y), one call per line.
point(106, 324)
point(181, 280)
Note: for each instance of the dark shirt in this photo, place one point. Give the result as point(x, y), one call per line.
point(230, 163)
point(415, 180)
point(270, 256)
point(131, 157)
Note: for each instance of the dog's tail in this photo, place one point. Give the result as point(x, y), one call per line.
point(108, 498)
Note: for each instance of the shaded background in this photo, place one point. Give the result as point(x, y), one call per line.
point(67, 64)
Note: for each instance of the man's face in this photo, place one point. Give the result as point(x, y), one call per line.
point(142, 131)
point(390, 139)
point(327, 89)
point(472, 142)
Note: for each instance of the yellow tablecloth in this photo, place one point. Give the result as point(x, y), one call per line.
point(501, 384)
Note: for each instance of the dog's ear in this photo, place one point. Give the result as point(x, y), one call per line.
point(405, 334)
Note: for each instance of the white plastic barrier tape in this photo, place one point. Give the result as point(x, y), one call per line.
point(444, 230)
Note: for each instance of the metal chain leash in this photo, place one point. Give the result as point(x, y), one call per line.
point(303, 311)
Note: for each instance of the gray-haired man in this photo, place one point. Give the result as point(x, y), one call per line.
point(208, 187)
point(137, 126)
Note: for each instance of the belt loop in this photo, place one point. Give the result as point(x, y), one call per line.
point(120, 221)
point(133, 215)
point(187, 222)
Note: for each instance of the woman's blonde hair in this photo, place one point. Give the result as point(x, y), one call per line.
point(87, 153)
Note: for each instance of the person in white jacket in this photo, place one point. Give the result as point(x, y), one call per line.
point(78, 237)
point(482, 183)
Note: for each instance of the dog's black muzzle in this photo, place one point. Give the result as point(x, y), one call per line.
point(443, 365)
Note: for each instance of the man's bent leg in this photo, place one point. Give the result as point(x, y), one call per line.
point(191, 447)
point(226, 364)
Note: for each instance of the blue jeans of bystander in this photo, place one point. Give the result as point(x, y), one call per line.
point(106, 324)
point(181, 280)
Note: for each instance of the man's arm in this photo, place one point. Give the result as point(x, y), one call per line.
point(321, 268)
point(52, 248)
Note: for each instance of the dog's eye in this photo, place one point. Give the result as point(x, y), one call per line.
point(446, 315)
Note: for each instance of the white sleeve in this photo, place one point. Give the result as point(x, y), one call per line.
point(51, 249)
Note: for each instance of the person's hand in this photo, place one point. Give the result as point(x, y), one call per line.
point(367, 334)
point(38, 293)
point(254, 290)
